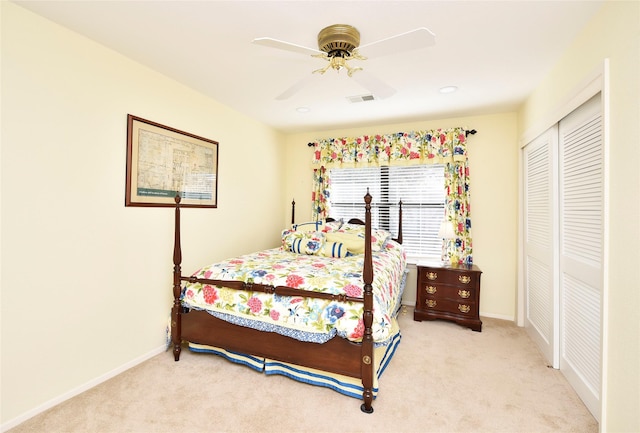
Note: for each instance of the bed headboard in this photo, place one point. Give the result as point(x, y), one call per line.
point(360, 222)
point(351, 221)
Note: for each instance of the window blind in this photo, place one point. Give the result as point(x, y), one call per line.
point(421, 189)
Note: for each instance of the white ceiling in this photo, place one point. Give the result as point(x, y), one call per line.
point(495, 52)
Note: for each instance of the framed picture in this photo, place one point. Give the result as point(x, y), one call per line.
point(163, 162)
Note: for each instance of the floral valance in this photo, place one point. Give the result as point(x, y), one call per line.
point(435, 146)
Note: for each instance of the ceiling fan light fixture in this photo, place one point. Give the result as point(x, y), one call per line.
point(339, 43)
point(339, 63)
point(338, 39)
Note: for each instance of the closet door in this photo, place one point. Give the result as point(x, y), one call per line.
point(540, 253)
point(581, 277)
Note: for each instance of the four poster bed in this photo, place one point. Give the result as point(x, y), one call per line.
point(320, 309)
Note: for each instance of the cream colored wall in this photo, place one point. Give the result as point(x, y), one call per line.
point(614, 33)
point(75, 262)
point(493, 161)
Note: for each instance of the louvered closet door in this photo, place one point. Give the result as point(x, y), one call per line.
point(540, 253)
point(581, 250)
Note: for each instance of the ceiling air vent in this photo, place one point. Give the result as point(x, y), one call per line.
point(361, 98)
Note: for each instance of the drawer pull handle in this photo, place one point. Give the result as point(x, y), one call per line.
point(464, 308)
point(431, 290)
point(432, 275)
point(464, 293)
point(464, 279)
point(431, 303)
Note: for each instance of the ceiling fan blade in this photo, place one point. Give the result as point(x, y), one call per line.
point(377, 87)
point(418, 38)
point(287, 46)
point(295, 88)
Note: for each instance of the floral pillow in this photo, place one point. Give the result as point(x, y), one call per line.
point(378, 239)
point(332, 226)
point(352, 228)
point(302, 242)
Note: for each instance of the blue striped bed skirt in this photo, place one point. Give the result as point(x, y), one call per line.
point(346, 385)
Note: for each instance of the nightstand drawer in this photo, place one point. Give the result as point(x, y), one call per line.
point(431, 275)
point(450, 306)
point(448, 292)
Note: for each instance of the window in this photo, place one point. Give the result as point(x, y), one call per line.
point(421, 189)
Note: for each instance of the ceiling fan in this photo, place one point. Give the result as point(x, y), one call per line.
point(339, 44)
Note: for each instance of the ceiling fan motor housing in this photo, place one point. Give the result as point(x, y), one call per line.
point(338, 40)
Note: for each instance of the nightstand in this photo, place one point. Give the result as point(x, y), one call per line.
point(449, 292)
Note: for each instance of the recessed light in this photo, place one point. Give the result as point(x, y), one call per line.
point(448, 89)
point(303, 109)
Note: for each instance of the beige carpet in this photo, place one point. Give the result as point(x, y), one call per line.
point(444, 378)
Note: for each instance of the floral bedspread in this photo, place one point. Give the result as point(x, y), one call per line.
point(306, 319)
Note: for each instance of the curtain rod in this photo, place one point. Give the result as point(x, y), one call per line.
point(466, 134)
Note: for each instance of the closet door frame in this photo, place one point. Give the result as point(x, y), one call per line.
point(595, 82)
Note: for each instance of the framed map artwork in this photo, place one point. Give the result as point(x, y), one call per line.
point(163, 162)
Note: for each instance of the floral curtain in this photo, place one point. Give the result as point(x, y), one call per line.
point(438, 146)
point(457, 212)
point(320, 193)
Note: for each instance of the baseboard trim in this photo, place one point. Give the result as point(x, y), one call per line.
point(80, 389)
point(482, 314)
point(498, 316)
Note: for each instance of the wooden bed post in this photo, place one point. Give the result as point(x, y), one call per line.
point(176, 310)
point(399, 240)
point(366, 363)
point(293, 212)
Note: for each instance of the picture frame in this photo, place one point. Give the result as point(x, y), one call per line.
point(163, 162)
